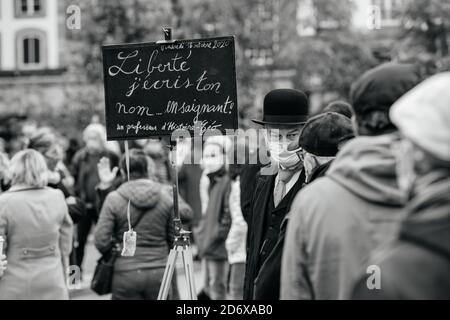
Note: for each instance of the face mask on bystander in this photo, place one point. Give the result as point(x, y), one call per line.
point(213, 158)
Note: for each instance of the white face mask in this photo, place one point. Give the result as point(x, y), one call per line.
point(279, 152)
point(213, 159)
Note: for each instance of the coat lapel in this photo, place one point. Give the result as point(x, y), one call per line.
point(286, 204)
point(263, 196)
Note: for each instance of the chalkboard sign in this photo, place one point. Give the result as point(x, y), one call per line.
point(153, 89)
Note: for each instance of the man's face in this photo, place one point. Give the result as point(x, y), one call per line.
point(285, 135)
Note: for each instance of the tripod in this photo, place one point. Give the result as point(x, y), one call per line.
point(181, 246)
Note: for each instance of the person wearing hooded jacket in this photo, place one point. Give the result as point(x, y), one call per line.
point(338, 220)
point(138, 277)
point(417, 264)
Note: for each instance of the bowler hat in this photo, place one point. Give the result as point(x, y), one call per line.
point(285, 106)
point(322, 134)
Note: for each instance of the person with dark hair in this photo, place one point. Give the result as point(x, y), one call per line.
point(416, 265)
point(340, 107)
point(138, 277)
point(339, 219)
point(374, 93)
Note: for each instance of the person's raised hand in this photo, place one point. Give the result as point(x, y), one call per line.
point(105, 173)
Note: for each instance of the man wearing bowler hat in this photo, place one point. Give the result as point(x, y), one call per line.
point(285, 113)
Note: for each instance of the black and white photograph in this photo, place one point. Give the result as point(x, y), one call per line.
point(230, 157)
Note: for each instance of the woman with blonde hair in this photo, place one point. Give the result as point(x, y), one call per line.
point(36, 226)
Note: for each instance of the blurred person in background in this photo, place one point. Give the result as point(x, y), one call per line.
point(155, 150)
point(189, 174)
point(215, 224)
point(2, 145)
point(138, 277)
point(285, 114)
point(4, 172)
point(45, 141)
point(37, 228)
point(341, 107)
point(339, 219)
point(72, 147)
point(416, 266)
point(236, 243)
point(85, 173)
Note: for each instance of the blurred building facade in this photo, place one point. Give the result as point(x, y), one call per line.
point(34, 48)
point(32, 53)
point(29, 38)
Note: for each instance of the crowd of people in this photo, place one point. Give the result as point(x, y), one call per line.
point(358, 206)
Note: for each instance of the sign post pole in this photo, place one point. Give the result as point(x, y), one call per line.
point(182, 237)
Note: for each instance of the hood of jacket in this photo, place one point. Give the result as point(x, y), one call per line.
point(366, 167)
point(144, 193)
point(428, 220)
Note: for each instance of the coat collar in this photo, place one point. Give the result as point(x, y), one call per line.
point(264, 191)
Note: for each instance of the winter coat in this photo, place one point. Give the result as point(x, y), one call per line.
point(188, 184)
point(417, 265)
point(237, 237)
point(267, 228)
point(215, 224)
point(338, 220)
point(155, 230)
point(248, 183)
point(85, 172)
point(38, 232)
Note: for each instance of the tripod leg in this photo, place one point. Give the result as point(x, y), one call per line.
point(188, 264)
point(168, 275)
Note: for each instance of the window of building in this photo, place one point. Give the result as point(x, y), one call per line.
point(390, 10)
point(29, 8)
point(260, 56)
point(31, 50)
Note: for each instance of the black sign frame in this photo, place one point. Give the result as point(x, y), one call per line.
point(112, 136)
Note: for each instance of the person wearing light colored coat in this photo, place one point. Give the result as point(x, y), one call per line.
point(37, 228)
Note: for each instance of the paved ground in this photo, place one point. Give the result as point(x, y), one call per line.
point(90, 262)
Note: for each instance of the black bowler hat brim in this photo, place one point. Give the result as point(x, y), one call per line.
point(285, 107)
point(286, 122)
